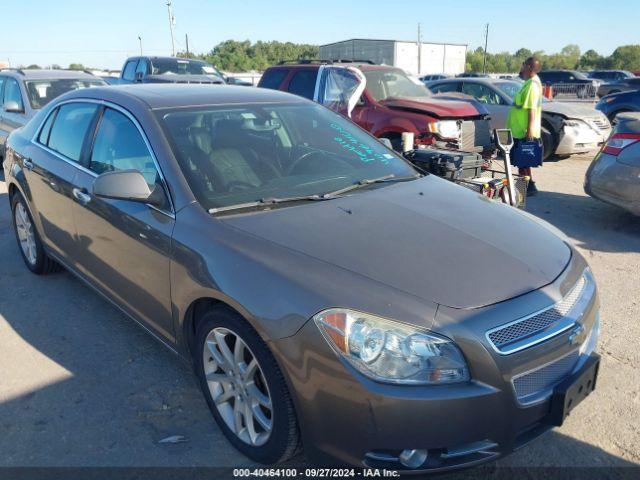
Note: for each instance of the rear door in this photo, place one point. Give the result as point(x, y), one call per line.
point(54, 166)
point(124, 246)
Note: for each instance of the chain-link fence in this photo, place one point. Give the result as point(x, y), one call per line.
point(583, 92)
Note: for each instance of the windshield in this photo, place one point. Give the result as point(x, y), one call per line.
point(394, 83)
point(233, 155)
point(580, 76)
point(176, 66)
point(42, 92)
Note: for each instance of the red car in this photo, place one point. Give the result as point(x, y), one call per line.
point(386, 102)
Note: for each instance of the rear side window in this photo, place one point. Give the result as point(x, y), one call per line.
point(273, 78)
point(70, 129)
point(303, 83)
point(129, 72)
point(444, 87)
point(119, 146)
point(2, 79)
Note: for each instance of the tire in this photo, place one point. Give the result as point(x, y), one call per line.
point(548, 143)
point(29, 242)
point(221, 326)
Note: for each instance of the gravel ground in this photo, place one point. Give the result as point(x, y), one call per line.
point(80, 385)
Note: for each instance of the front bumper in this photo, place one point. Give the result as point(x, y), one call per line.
point(345, 418)
point(582, 139)
point(613, 182)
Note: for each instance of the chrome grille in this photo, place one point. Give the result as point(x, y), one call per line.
point(531, 385)
point(516, 331)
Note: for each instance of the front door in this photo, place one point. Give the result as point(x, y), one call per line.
point(124, 246)
point(340, 89)
point(498, 109)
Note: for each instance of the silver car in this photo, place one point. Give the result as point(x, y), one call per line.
point(614, 174)
point(24, 92)
point(567, 128)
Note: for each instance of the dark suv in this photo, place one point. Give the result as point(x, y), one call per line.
point(386, 102)
point(24, 92)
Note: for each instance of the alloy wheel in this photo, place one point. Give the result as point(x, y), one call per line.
point(238, 386)
point(26, 234)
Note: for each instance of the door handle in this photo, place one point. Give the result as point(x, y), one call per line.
point(81, 195)
point(28, 164)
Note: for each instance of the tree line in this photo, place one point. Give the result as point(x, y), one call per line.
point(243, 56)
point(626, 57)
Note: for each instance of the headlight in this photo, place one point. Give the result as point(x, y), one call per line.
point(445, 128)
point(392, 352)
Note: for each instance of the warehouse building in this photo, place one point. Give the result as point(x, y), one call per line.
point(420, 59)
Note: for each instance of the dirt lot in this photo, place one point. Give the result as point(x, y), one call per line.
point(80, 385)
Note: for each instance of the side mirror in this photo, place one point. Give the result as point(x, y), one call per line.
point(139, 77)
point(386, 142)
point(12, 107)
point(126, 185)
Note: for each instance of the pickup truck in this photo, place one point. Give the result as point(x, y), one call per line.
point(386, 102)
point(173, 70)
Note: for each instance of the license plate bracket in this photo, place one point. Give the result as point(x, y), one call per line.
point(568, 394)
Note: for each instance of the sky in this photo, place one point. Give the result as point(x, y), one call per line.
point(102, 34)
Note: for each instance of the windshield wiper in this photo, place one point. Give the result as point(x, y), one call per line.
point(265, 202)
point(368, 181)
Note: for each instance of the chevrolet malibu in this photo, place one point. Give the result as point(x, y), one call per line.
point(327, 294)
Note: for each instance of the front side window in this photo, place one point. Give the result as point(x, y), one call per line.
point(129, 72)
point(118, 145)
point(303, 83)
point(394, 83)
point(41, 92)
point(238, 154)
point(70, 129)
point(12, 93)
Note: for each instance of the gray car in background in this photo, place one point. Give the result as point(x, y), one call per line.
point(24, 92)
point(614, 174)
point(566, 128)
point(327, 294)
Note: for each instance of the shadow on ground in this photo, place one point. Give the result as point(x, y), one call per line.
point(593, 225)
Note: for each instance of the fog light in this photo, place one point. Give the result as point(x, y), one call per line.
point(413, 458)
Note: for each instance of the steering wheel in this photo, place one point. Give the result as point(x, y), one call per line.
point(302, 159)
point(239, 185)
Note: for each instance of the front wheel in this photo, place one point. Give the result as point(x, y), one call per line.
point(244, 388)
point(33, 253)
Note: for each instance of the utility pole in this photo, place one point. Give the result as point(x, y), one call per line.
point(419, 48)
point(484, 58)
point(172, 23)
point(186, 41)
point(140, 40)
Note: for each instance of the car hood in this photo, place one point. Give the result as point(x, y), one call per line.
point(439, 108)
point(570, 111)
point(429, 238)
point(170, 78)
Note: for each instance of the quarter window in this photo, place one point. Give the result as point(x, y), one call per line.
point(43, 138)
point(272, 79)
point(70, 129)
point(119, 146)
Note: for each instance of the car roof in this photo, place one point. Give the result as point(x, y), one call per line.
point(159, 96)
point(362, 65)
point(27, 74)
